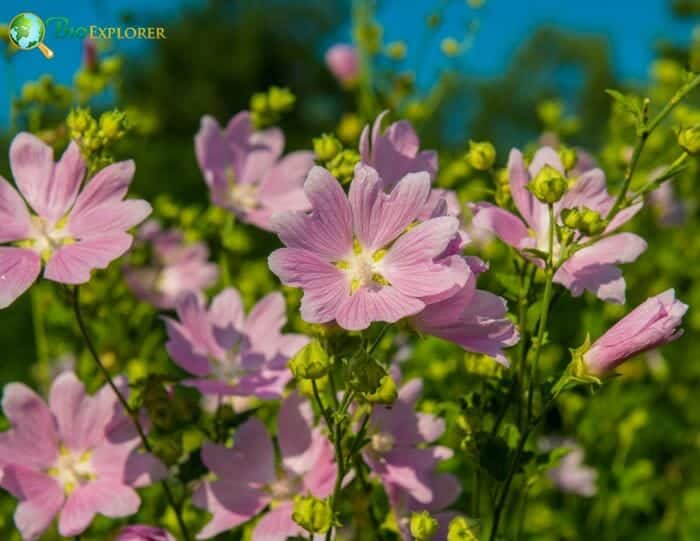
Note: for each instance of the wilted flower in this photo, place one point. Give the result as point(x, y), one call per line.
point(593, 267)
point(176, 268)
point(356, 258)
point(248, 480)
point(344, 63)
point(143, 533)
point(653, 323)
point(229, 353)
point(76, 457)
point(245, 173)
point(72, 233)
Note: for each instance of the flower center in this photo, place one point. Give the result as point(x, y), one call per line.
point(72, 469)
point(284, 488)
point(242, 196)
point(45, 238)
point(363, 268)
point(382, 442)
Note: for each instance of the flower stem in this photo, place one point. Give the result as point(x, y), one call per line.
point(643, 135)
point(122, 400)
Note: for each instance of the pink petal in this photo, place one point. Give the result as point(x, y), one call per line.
point(264, 323)
point(226, 313)
point(277, 525)
point(19, 269)
point(111, 217)
point(295, 432)
point(624, 216)
point(324, 284)
point(320, 480)
point(40, 499)
point(380, 218)
point(182, 350)
point(109, 185)
point(266, 149)
point(545, 156)
point(210, 146)
point(73, 263)
point(282, 187)
point(366, 305)
point(61, 192)
point(589, 191)
point(230, 505)
point(33, 441)
point(506, 226)
point(108, 498)
point(15, 221)
point(327, 231)
point(527, 205)
point(124, 463)
point(32, 166)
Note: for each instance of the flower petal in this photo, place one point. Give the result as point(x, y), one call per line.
point(277, 525)
point(366, 305)
point(111, 217)
point(506, 226)
point(229, 508)
point(15, 221)
point(58, 196)
point(109, 185)
point(19, 269)
point(32, 166)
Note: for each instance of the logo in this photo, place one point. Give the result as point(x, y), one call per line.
point(27, 32)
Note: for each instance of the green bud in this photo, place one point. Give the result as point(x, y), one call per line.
point(258, 102)
point(80, 122)
point(423, 526)
point(482, 155)
point(571, 218)
point(396, 50)
point(385, 394)
point(549, 185)
point(342, 166)
point(113, 125)
point(591, 222)
point(550, 112)
point(312, 362)
point(29, 92)
point(280, 100)
point(312, 514)
point(111, 65)
point(460, 530)
point(169, 449)
point(568, 157)
point(689, 139)
point(369, 35)
point(450, 47)
point(366, 375)
point(327, 147)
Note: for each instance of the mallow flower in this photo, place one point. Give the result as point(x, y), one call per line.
point(75, 457)
point(176, 267)
point(362, 257)
point(245, 172)
point(343, 61)
point(70, 232)
point(140, 532)
point(571, 475)
point(248, 479)
point(228, 352)
point(653, 323)
point(591, 268)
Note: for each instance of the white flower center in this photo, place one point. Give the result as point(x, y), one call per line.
point(45, 238)
point(363, 268)
point(242, 196)
point(284, 488)
point(382, 442)
point(72, 469)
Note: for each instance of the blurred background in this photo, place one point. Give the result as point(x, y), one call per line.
point(515, 73)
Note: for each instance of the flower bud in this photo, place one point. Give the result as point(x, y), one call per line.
point(258, 103)
point(280, 100)
point(169, 449)
point(342, 166)
point(482, 155)
point(549, 185)
point(312, 514)
point(311, 362)
point(349, 128)
point(689, 139)
point(80, 122)
point(366, 375)
point(112, 125)
point(385, 394)
point(591, 222)
point(343, 62)
point(450, 47)
point(460, 530)
point(327, 147)
point(571, 218)
point(568, 157)
point(396, 50)
point(423, 526)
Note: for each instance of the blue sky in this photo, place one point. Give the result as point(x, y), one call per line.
point(631, 27)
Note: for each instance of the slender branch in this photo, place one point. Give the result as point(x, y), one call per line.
point(122, 400)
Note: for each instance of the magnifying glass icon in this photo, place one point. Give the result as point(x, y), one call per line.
point(27, 31)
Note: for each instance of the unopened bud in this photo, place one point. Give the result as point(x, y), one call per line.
point(571, 218)
point(450, 47)
point(258, 102)
point(385, 394)
point(482, 155)
point(460, 530)
point(327, 147)
point(423, 526)
point(311, 362)
point(568, 157)
point(342, 166)
point(112, 125)
point(312, 514)
point(689, 139)
point(280, 100)
point(549, 185)
point(396, 50)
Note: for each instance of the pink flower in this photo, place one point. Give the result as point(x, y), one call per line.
point(571, 474)
point(471, 318)
point(177, 268)
point(73, 233)
point(144, 533)
point(593, 267)
point(229, 353)
point(248, 479)
point(396, 153)
point(399, 453)
point(244, 172)
point(669, 210)
point(344, 63)
point(652, 324)
point(355, 256)
point(77, 457)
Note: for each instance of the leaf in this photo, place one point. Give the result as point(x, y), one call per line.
point(509, 282)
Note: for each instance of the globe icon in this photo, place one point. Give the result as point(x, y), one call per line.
point(27, 31)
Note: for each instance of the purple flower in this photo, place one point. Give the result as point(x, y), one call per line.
point(396, 153)
point(229, 353)
point(244, 172)
point(653, 323)
point(570, 475)
point(344, 63)
point(593, 267)
point(471, 318)
point(361, 258)
point(72, 233)
point(399, 453)
point(143, 533)
point(670, 211)
point(77, 457)
point(176, 268)
point(248, 479)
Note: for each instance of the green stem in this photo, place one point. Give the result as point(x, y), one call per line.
point(367, 489)
point(642, 137)
point(122, 400)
